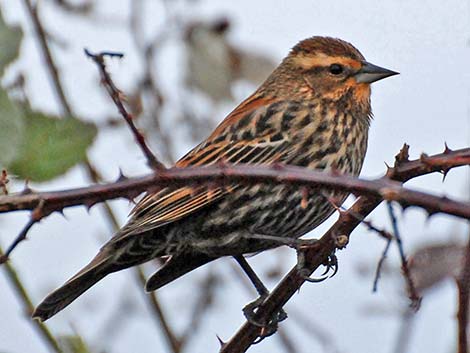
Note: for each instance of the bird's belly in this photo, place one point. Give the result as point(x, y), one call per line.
point(238, 223)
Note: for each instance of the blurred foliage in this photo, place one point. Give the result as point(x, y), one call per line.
point(33, 145)
point(73, 344)
point(10, 41)
point(51, 146)
point(11, 129)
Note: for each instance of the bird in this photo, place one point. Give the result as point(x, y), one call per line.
point(313, 111)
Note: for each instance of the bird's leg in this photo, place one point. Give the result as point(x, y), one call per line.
point(249, 310)
point(300, 245)
point(330, 263)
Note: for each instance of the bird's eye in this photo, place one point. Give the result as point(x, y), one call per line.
point(336, 69)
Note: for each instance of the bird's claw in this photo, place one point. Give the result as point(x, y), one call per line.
point(330, 263)
point(267, 328)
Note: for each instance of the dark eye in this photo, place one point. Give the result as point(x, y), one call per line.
point(336, 69)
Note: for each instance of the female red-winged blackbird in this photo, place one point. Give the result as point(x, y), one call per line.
point(312, 111)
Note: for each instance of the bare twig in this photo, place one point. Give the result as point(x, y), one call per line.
point(18, 239)
point(380, 264)
point(203, 303)
point(53, 72)
point(173, 342)
point(412, 292)
point(148, 84)
point(116, 94)
point(463, 286)
point(24, 297)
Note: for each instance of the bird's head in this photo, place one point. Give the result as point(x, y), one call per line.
point(329, 67)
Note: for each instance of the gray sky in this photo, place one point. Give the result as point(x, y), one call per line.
point(425, 106)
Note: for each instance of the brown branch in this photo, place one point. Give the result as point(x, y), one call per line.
point(463, 287)
point(321, 250)
point(53, 72)
point(382, 188)
point(115, 95)
point(172, 341)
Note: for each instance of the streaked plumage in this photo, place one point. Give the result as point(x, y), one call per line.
point(312, 111)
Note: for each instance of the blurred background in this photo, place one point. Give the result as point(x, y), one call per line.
point(187, 64)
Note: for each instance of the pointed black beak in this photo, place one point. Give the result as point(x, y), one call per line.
point(370, 73)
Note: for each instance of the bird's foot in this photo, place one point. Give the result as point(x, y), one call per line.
point(269, 327)
point(331, 262)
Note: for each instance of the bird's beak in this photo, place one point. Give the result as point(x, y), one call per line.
point(370, 73)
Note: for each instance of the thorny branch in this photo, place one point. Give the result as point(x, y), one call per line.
point(384, 188)
point(116, 95)
point(316, 255)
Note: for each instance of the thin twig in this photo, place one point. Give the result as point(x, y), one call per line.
point(53, 72)
point(115, 95)
point(173, 342)
point(412, 292)
point(380, 264)
point(148, 82)
point(20, 237)
point(24, 297)
point(203, 303)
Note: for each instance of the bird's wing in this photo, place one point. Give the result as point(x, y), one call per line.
point(171, 204)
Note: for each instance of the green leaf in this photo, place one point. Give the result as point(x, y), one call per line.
point(11, 129)
point(51, 146)
point(10, 41)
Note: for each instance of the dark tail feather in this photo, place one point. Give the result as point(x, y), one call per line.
point(96, 270)
point(176, 266)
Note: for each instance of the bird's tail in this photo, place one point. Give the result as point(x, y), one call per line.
point(175, 267)
point(96, 270)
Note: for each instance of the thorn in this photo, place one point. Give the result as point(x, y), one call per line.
point(430, 213)
point(404, 205)
point(423, 158)
point(121, 176)
point(447, 150)
point(444, 172)
point(221, 342)
point(26, 190)
point(390, 170)
point(89, 205)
